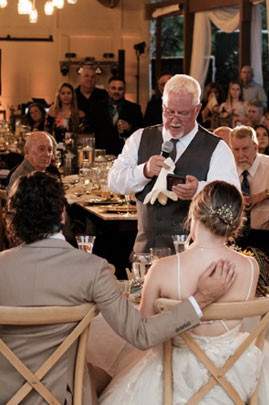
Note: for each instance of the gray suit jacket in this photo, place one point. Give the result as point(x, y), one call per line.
point(52, 272)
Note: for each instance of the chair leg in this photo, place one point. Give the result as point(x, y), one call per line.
point(167, 373)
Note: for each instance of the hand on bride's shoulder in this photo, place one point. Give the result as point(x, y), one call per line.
point(215, 282)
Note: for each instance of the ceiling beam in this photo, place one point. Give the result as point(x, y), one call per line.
point(206, 5)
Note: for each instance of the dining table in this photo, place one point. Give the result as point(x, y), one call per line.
point(109, 217)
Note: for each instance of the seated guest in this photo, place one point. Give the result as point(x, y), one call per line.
point(64, 119)
point(215, 214)
point(38, 152)
point(233, 109)
point(253, 169)
point(36, 117)
point(45, 270)
point(262, 133)
point(254, 115)
point(87, 93)
point(209, 114)
point(115, 119)
point(252, 91)
point(154, 109)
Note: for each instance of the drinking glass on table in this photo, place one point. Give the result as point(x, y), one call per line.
point(141, 264)
point(85, 242)
point(179, 242)
point(158, 252)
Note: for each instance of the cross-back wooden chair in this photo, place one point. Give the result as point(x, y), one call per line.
point(33, 316)
point(226, 311)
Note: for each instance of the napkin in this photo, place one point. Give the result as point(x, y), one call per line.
point(159, 191)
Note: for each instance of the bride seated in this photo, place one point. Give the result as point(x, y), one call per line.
point(215, 215)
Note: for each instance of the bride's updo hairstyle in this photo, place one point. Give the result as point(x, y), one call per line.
point(219, 206)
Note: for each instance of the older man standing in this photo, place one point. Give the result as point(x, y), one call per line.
point(87, 93)
point(199, 155)
point(38, 151)
point(253, 169)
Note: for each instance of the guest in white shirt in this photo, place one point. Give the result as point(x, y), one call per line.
point(255, 168)
point(199, 156)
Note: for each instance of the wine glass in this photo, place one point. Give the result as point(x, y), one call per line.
point(158, 252)
point(85, 242)
point(128, 199)
point(141, 264)
point(179, 242)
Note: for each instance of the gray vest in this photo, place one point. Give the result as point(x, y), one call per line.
point(156, 223)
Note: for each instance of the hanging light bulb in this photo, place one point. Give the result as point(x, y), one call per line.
point(24, 7)
point(48, 8)
point(58, 3)
point(72, 1)
point(3, 3)
point(33, 16)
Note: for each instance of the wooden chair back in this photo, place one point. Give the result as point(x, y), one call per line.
point(226, 311)
point(33, 316)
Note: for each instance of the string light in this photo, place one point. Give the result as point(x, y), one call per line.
point(58, 3)
point(27, 7)
point(3, 3)
point(48, 8)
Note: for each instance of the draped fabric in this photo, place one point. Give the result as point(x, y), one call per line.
point(227, 20)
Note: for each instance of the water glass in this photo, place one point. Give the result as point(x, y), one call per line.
point(141, 264)
point(85, 242)
point(158, 252)
point(179, 242)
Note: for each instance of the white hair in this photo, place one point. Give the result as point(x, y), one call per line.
point(180, 84)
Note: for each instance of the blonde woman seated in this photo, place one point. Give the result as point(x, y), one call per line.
point(215, 214)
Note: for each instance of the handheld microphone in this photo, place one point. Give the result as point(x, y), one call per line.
point(167, 148)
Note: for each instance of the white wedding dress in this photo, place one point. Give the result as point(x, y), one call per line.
point(142, 383)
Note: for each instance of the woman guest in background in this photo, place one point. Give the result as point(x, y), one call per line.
point(263, 139)
point(36, 117)
point(215, 214)
point(208, 116)
point(64, 118)
point(233, 109)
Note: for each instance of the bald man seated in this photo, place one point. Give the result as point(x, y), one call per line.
point(38, 152)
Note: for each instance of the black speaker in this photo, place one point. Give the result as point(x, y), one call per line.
point(121, 62)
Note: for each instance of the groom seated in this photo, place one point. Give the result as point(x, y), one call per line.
point(46, 270)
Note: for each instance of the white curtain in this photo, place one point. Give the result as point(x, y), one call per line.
point(227, 20)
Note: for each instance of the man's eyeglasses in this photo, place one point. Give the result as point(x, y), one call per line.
point(181, 114)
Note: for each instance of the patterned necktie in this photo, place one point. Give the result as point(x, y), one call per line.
point(115, 114)
point(245, 187)
point(173, 154)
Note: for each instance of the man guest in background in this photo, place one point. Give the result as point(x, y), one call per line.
point(116, 118)
point(87, 93)
point(252, 91)
point(199, 156)
point(153, 113)
point(45, 270)
point(253, 170)
point(38, 152)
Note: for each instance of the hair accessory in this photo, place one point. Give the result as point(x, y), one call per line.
point(224, 213)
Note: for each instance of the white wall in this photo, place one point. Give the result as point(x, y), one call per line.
point(31, 69)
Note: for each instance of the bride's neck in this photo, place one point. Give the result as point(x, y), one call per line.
point(203, 237)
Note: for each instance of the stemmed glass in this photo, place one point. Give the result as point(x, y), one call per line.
point(179, 242)
point(158, 252)
point(128, 199)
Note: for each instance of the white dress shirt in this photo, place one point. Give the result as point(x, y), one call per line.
point(259, 181)
point(126, 176)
